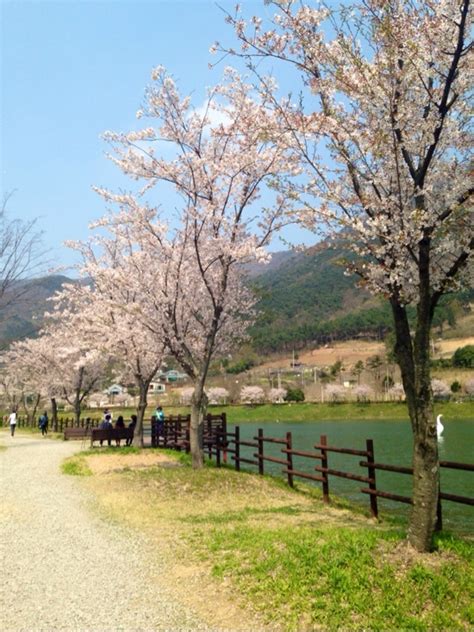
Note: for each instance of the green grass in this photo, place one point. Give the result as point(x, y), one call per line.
point(76, 466)
point(284, 553)
point(308, 577)
point(305, 412)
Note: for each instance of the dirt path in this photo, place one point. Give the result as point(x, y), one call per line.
point(62, 567)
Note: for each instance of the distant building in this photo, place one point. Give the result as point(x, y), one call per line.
point(156, 388)
point(115, 389)
point(174, 376)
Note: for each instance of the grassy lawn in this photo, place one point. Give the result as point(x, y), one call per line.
point(248, 552)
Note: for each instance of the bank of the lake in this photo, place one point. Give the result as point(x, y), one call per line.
point(309, 411)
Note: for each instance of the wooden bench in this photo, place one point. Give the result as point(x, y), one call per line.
point(110, 434)
point(76, 433)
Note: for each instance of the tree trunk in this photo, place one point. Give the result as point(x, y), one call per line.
point(77, 409)
point(54, 413)
point(142, 404)
point(414, 362)
point(196, 432)
point(425, 484)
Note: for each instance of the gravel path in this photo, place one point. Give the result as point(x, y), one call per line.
point(62, 568)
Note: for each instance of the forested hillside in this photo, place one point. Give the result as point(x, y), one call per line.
point(304, 298)
point(308, 299)
point(23, 317)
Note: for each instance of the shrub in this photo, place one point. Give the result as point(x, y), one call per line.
point(240, 367)
point(456, 387)
point(294, 395)
point(464, 357)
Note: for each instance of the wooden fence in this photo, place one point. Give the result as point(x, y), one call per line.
point(174, 432)
point(231, 443)
point(61, 424)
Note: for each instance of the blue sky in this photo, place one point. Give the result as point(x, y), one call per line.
point(71, 70)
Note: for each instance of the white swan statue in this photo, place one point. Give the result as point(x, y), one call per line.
point(439, 426)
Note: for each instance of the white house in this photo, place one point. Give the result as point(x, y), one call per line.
point(156, 388)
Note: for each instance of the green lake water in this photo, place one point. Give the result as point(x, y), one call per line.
point(392, 445)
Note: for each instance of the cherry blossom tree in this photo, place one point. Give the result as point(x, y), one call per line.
point(469, 387)
point(217, 159)
point(186, 395)
point(335, 393)
point(396, 392)
point(74, 367)
point(440, 389)
point(11, 394)
point(218, 395)
point(109, 305)
point(28, 372)
point(382, 129)
point(277, 395)
point(363, 393)
point(252, 395)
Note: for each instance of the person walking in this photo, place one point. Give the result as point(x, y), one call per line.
point(12, 420)
point(43, 423)
point(160, 422)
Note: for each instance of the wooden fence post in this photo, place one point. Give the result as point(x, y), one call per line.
point(218, 450)
point(289, 457)
point(260, 452)
point(371, 474)
point(237, 448)
point(224, 429)
point(324, 464)
point(439, 512)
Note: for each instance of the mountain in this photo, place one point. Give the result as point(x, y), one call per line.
point(22, 317)
point(307, 299)
point(304, 299)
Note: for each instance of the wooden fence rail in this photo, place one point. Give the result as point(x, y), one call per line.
point(231, 443)
point(60, 425)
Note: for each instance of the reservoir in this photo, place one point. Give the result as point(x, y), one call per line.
point(392, 445)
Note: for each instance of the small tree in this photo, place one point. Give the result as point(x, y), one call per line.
point(277, 395)
point(21, 256)
point(396, 392)
point(358, 369)
point(440, 389)
point(335, 393)
point(469, 387)
point(363, 393)
point(218, 395)
point(252, 395)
